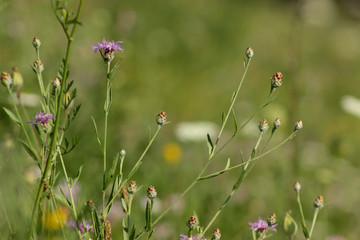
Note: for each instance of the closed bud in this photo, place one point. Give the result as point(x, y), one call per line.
point(276, 81)
point(319, 202)
point(6, 79)
point(38, 66)
point(297, 186)
point(151, 192)
point(289, 226)
point(271, 219)
point(132, 187)
point(90, 203)
point(216, 234)
point(56, 83)
point(122, 153)
point(277, 123)
point(161, 118)
point(192, 222)
point(36, 42)
point(263, 125)
point(249, 52)
point(298, 125)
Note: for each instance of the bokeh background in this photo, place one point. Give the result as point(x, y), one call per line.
point(185, 57)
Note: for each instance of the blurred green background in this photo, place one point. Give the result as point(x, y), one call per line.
point(185, 57)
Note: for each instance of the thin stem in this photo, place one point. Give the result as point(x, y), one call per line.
point(313, 222)
point(6, 217)
point(212, 154)
point(303, 223)
point(56, 129)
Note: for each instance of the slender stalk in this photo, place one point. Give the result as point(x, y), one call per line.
point(303, 223)
point(56, 127)
point(6, 216)
point(313, 222)
point(212, 154)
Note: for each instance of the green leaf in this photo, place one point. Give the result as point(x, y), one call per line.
point(65, 198)
point(30, 150)
point(110, 175)
point(96, 132)
point(125, 228)
point(210, 144)
point(77, 176)
point(98, 227)
point(113, 190)
point(124, 204)
point(114, 70)
point(227, 164)
point(235, 122)
point(12, 116)
point(148, 216)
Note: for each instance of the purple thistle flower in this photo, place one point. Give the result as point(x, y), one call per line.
point(261, 226)
point(106, 47)
point(184, 237)
point(80, 226)
point(42, 118)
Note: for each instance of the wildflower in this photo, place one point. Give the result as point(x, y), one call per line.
point(151, 192)
point(298, 125)
point(271, 219)
point(319, 202)
point(184, 237)
point(36, 42)
point(276, 81)
point(277, 123)
point(132, 187)
point(6, 79)
point(38, 66)
point(261, 226)
point(80, 226)
point(56, 219)
point(249, 52)
point(216, 234)
point(263, 125)
point(192, 223)
point(161, 118)
point(297, 186)
point(108, 49)
point(42, 118)
point(172, 153)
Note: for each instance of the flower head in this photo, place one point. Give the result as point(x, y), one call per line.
point(184, 237)
point(42, 118)
point(80, 226)
point(108, 49)
point(261, 226)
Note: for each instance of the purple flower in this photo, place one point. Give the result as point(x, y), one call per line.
point(106, 47)
point(80, 226)
point(42, 118)
point(184, 237)
point(261, 226)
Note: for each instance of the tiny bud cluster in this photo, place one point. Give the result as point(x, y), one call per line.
point(36, 42)
point(216, 234)
point(272, 219)
point(192, 222)
point(161, 118)
point(298, 125)
point(263, 125)
point(6, 79)
point(277, 123)
point(297, 186)
point(319, 202)
point(249, 52)
point(132, 187)
point(151, 192)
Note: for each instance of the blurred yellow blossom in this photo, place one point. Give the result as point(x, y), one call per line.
point(172, 153)
point(55, 220)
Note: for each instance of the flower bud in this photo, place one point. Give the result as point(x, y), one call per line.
point(90, 203)
point(161, 118)
point(6, 79)
point(36, 42)
point(297, 186)
point(17, 78)
point(319, 202)
point(298, 125)
point(122, 153)
point(289, 226)
point(216, 234)
point(276, 80)
point(151, 192)
point(249, 52)
point(192, 223)
point(263, 125)
point(277, 123)
point(38, 66)
point(132, 187)
point(56, 83)
point(271, 219)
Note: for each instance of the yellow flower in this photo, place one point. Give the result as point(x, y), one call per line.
point(55, 220)
point(172, 153)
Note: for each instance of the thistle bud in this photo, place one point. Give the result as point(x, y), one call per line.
point(297, 186)
point(289, 226)
point(17, 78)
point(263, 125)
point(38, 66)
point(6, 79)
point(249, 52)
point(277, 123)
point(216, 234)
point(122, 153)
point(56, 83)
point(276, 80)
point(192, 222)
point(161, 118)
point(132, 187)
point(36, 42)
point(90, 203)
point(151, 192)
point(271, 219)
point(319, 202)
point(298, 125)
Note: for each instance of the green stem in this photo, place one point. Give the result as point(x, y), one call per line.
point(313, 222)
point(212, 154)
point(303, 223)
point(56, 129)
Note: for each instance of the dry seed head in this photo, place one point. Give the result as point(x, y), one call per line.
point(161, 118)
point(192, 223)
point(319, 202)
point(249, 52)
point(151, 192)
point(277, 123)
point(263, 125)
point(107, 230)
point(6, 79)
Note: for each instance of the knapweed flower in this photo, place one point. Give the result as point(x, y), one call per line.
point(42, 118)
point(276, 81)
point(262, 226)
point(108, 49)
point(6, 79)
point(151, 192)
point(184, 237)
point(80, 226)
point(161, 118)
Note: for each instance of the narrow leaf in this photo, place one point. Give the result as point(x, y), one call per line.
point(235, 122)
point(29, 150)
point(96, 132)
point(227, 164)
point(210, 144)
point(12, 116)
point(77, 176)
point(148, 216)
point(114, 70)
point(64, 197)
